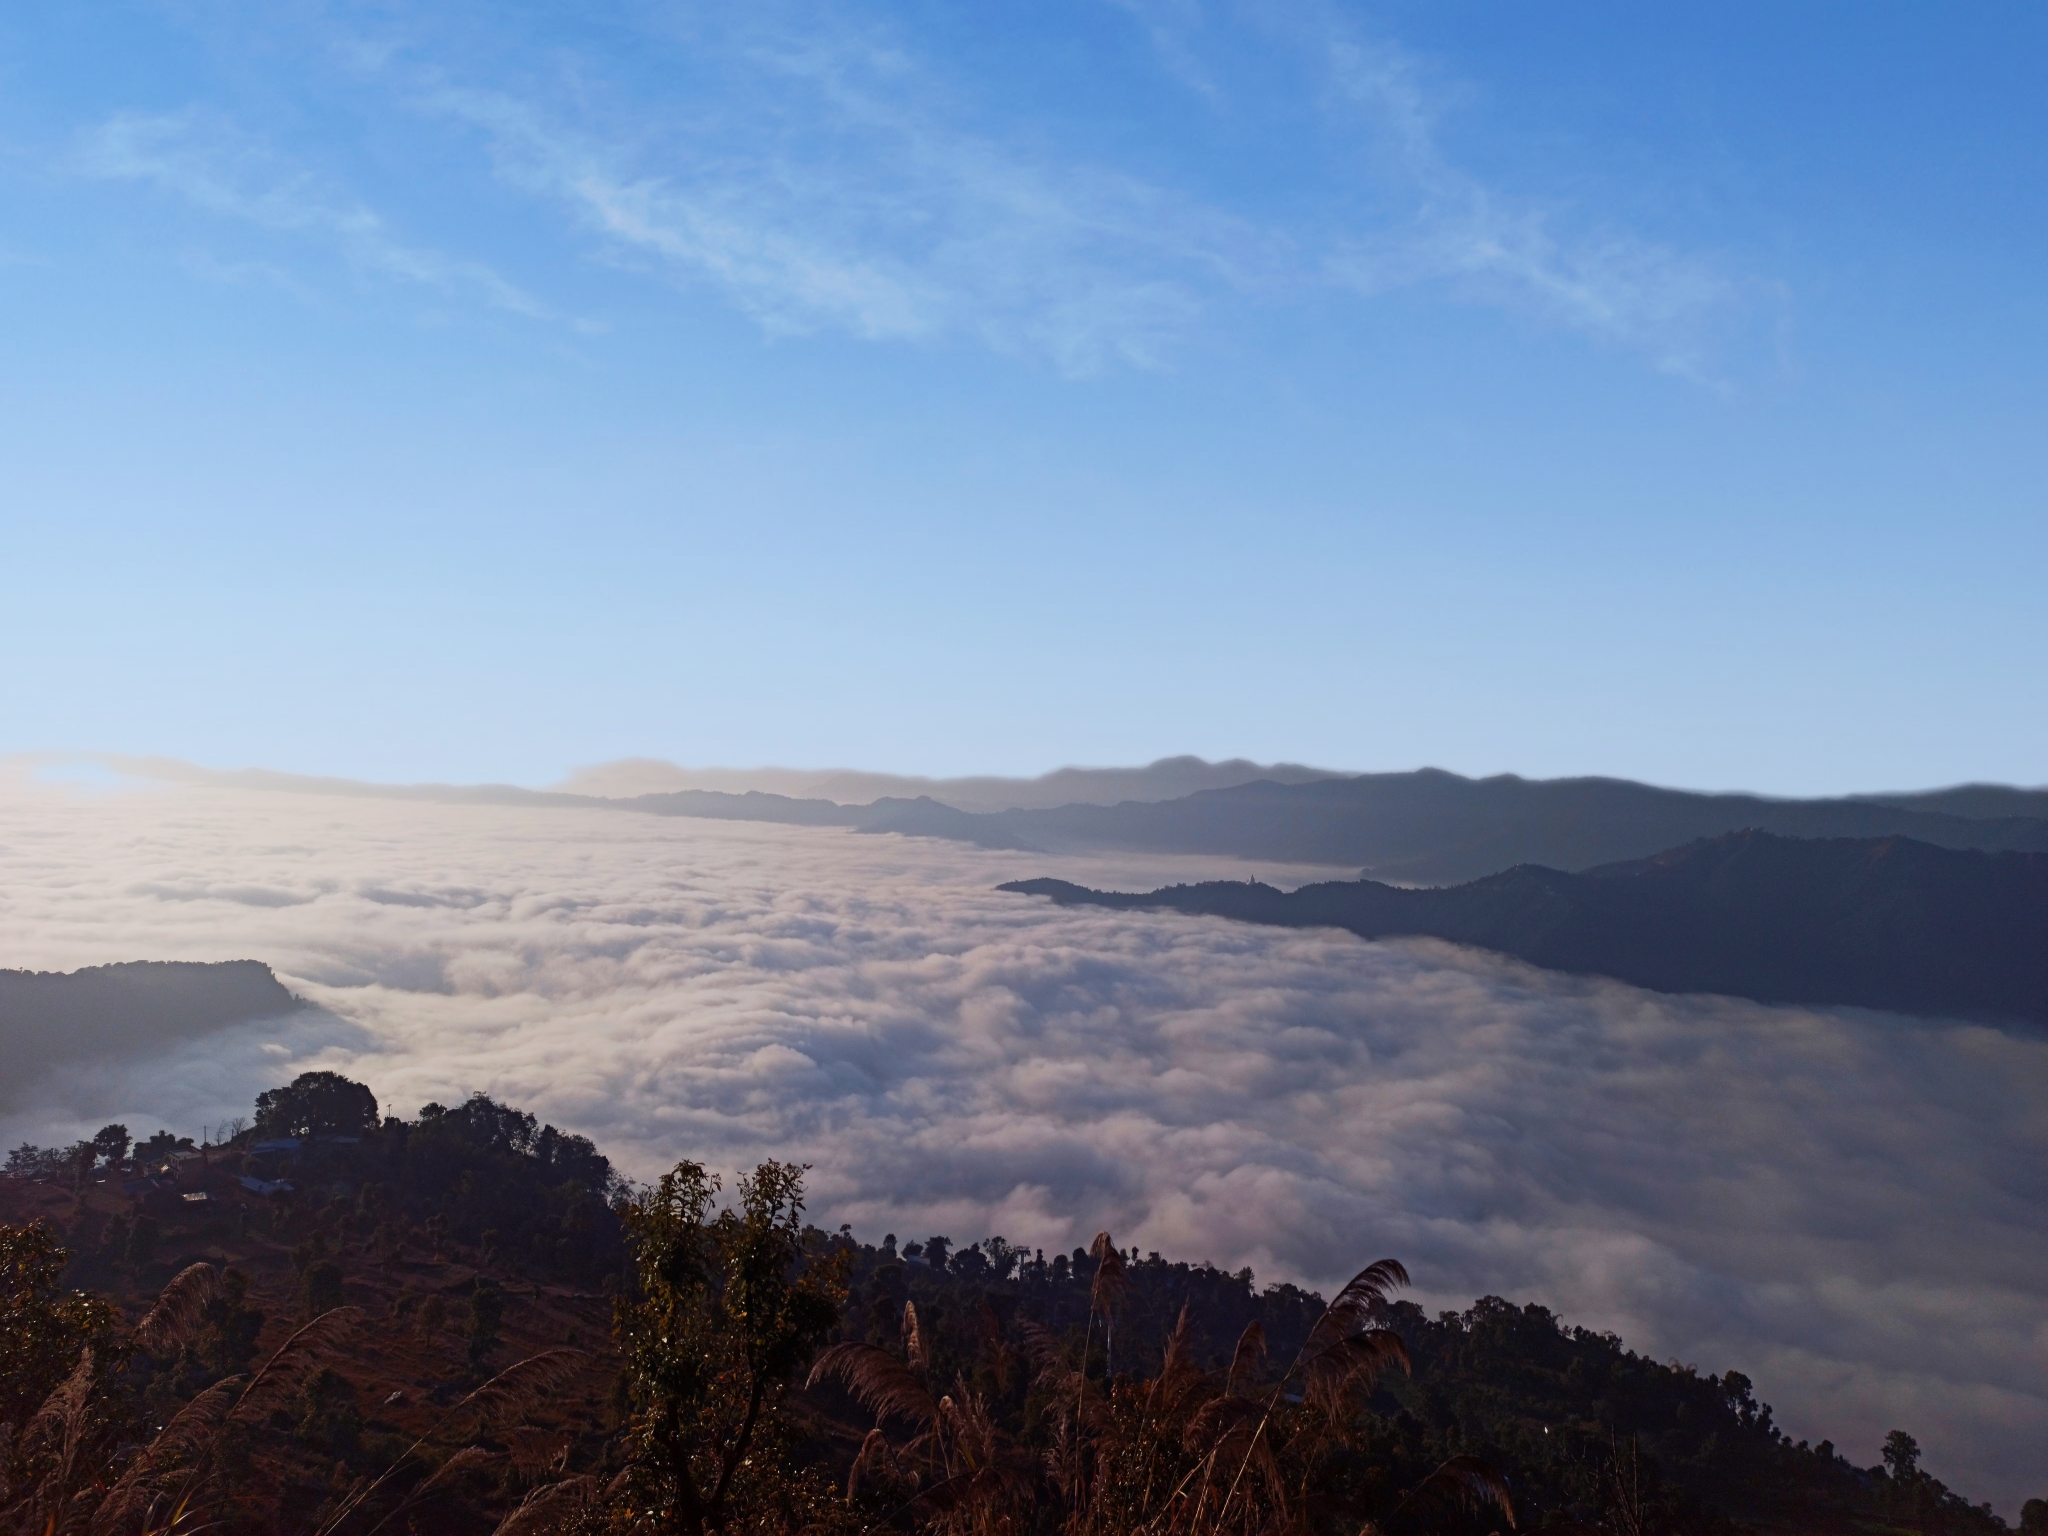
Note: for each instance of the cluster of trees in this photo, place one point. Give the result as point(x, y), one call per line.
point(482, 1175)
point(773, 1377)
point(110, 1148)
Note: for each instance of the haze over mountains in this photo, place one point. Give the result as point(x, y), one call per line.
point(1430, 827)
point(1167, 779)
point(1426, 827)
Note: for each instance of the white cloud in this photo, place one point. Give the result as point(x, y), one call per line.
point(1843, 1205)
point(201, 159)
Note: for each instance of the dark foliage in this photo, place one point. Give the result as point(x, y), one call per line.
point(43, 1327)
point(543, 1196)
point(482, 1176)
point(956, 1389)
point(727, 1306)
point(320, 1289)
point(486, 1314)
point(329, 1418)
point(229, 1327)
point(316, 1104)
point(1584, 1430)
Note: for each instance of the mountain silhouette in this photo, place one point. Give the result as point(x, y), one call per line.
point(1876, 922)
point(1435, 828)
point(52, 1016)
point(1427, 827)
point(1167, 779)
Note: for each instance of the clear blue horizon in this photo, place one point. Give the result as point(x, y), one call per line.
point(447, 391)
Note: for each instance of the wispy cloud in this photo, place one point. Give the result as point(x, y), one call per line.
point(1499, 248)
point(826, 172)
point(829, 194)
point(1441, 223)
point(201, 159)
point(1845, 1206)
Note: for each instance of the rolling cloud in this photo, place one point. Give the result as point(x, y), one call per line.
point(1843, 1205)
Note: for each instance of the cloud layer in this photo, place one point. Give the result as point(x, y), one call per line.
point(1842, 1205)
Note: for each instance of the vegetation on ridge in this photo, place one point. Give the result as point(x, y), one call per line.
point(319, 1354)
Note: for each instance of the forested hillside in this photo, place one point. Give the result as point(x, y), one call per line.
point(464, 1321)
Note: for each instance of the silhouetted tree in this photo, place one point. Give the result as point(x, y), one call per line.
point(317, 1104)
point(160, 1146)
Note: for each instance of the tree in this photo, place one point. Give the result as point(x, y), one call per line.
point(729, 1305)
point(317, 1104)
point(229, 1326)
point(328, 1415)
point(1901, 1456)
point(141, 1245)
point(486, 1313)
point(111, 1142)
point(160, 1146)
point(320, 1289)
point(29, 1161)
point(2034, 1518)
point(43, 1327)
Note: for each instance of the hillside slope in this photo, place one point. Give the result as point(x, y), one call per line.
point(1881, 923)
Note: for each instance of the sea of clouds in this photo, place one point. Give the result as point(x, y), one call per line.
point(1843, 1205)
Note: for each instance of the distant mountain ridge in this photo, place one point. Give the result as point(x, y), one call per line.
point(1432, 827)
point(1167, 779)
point(52, 1016)
point(1426, 827)
point(1872, 922)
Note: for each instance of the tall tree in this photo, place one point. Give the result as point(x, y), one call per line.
point(43, 1327)
point(111, 1142)
point(317, 1104)
point(728, 1305)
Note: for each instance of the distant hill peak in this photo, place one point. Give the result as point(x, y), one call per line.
point(135, 1005)
point(1170, 778)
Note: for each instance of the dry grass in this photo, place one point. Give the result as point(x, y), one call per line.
point(1180, 1452)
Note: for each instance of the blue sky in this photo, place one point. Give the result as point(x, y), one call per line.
point(469, 391)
